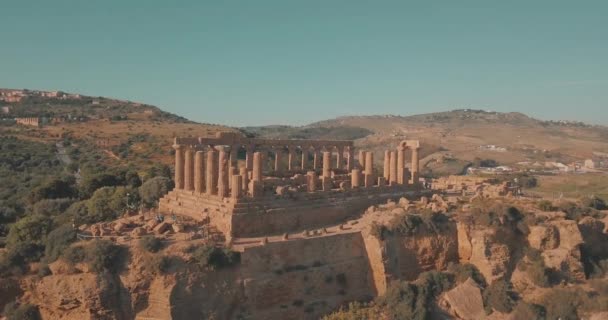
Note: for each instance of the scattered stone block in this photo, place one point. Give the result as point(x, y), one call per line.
point(162, 227)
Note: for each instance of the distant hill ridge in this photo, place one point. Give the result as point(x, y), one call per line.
point(39, 103)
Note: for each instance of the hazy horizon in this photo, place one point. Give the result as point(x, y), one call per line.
point(274, 62)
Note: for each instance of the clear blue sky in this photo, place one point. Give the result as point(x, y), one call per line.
point(294, 62)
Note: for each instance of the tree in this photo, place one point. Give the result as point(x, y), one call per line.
point(107, 203)
point(54, 189)
point(57, 241)
point(32, 229)
point(154, 189)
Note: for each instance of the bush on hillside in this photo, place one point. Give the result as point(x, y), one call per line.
point(215, 258)
point(413, 300)
point(51, 207)
point(57, 241)
point(462, 272)
point(106, 204)
point(103, 255)
point(594, 202)
point(150, 243)
point(152, 190)
point(499, 296)
point(546, 205)
point(14, 311)
point(31, 229)
point(54, 189)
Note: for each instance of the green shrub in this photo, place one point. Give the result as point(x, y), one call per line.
point(74, 254)
point(57, 241)
point(214, 257)
point(14, 311)
point(51, 207)
point(414, 300)
point(499, 296)
point(594, 202)
point(546, 205)
point(161, 264)
point(150, 243)
point(32, 229)
point(106, 204)
point(15, 260)
point(563, 303)
point(462, 272)
point(153, 189)
point(103, 255)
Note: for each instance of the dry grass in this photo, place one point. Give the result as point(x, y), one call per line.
point(572, 186)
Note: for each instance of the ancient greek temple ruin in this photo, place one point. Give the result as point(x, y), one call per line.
point(248, 186)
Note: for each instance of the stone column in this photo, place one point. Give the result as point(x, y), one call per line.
point(256, 174)
point(349, 159)
point(189, 170)
point(316, 159)
point(234, 155)
point(400, 164)
point(222, 181)
point(387, 165)
point(245, 178)
point(326, 164)
point(311, 181)
point(249, 157)
point(237, 182)
point(304, 158)
point(277, 159)
point(291, 157)
point(210, 173)
point(199, 181)
point(179, 166)
point(393, 165)
point(361, 159)
point(369, 169)
point(415, 165)
point(339, 157)
point(355, 177)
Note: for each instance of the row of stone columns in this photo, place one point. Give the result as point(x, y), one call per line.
point(395, 171)
point(292, 161)
point(216, 173)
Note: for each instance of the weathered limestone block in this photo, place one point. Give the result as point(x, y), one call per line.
point(543, 237)
point(464, 301)
point(282, 190)
point(177, 227)
point(489, 256)
point(404, 202)
point(162, 227)
point(138, 232)
point(464, 242)
point(569, 234)
point(120, 227)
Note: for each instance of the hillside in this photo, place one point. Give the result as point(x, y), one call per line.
point(124, 133)
point(461, 135)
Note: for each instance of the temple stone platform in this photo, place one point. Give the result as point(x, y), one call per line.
point(276, 214)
